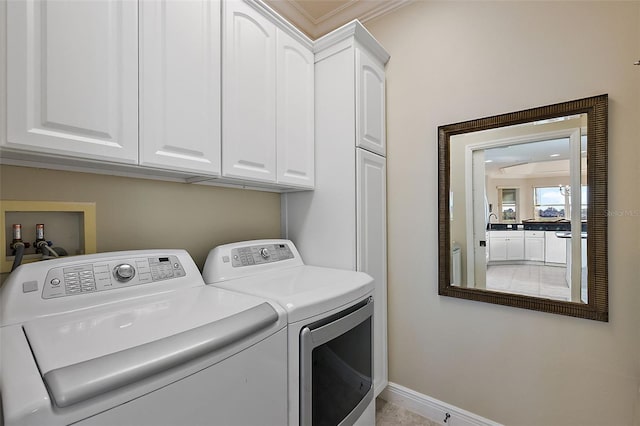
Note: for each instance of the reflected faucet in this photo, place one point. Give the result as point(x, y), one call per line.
point(489, 220)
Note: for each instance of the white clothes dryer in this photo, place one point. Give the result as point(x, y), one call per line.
point(330, 326)
point(137, 338)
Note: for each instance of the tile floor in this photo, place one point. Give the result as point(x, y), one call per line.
point(388, 414)
point(530, 280)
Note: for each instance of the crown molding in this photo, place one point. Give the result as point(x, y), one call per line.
point(350, 10)
point(356, 30)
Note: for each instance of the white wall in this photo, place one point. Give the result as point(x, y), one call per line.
point(455, 61)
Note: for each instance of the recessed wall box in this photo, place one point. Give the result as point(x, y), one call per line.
point(69, 225)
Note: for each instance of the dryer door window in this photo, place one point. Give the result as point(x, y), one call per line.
point(336, 367)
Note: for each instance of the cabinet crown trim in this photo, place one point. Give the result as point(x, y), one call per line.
point(356, 30)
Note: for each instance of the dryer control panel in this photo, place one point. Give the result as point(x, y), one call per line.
point(247, 258)
point(99, 276)
point(259, 254)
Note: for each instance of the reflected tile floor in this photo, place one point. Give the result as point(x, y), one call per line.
point(530, 280)
point(388, 414)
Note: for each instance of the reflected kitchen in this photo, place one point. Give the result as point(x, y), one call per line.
point(514, 214)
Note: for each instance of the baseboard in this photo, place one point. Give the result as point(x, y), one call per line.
point(431, 408)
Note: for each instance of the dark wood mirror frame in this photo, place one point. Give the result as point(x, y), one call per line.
point(597, 308)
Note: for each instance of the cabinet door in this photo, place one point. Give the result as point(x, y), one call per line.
point(295, 86)
point(73, 73)
point(370, 104)
point(371, 249)
point(555, 248)
point(180, 85)
point(534, 249)
point(497, 248)
point(248, 94)
point(515, 248)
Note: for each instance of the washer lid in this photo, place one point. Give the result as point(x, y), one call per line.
point(305, 291)
point(87, 353)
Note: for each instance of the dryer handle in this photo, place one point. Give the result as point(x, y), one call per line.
point(79, 382)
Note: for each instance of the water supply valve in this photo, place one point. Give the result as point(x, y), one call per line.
point(41, 242)
point(17, 238)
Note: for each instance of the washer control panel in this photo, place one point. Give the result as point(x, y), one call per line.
point(100, 276)
point(260, 254)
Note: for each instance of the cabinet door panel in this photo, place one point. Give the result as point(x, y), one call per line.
point(497, 248)
point(249, 94)
point(515, 248)
point(180, 85)
point(295, 112)
point(534, 249)
point(371, 251)
point(555, 248)
point(370, 104)
point(73, 68)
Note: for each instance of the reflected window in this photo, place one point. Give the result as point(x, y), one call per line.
point(550, 202)
point(509, 204)
point(554, 202)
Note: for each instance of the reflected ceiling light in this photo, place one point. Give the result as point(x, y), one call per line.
point(488, 161)
point(554, 155)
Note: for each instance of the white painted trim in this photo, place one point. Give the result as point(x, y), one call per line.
point(469, 218)
point(384, 9)
point(327, 16)
point(356, 30)
point(432, 408)
point(316, 27)
point(468, 173)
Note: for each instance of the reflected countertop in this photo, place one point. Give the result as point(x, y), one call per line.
point(530, 225)
point(568, 234)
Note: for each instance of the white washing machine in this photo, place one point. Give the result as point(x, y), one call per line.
point(330, 331)
point(137, 338)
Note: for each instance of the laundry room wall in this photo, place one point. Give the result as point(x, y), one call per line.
point(136, 213)
point(462, 60)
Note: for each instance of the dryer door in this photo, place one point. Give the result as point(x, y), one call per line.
point(336, 375)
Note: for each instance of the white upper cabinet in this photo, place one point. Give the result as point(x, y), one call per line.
point(201, 90)
point(72, 72)
point(180, 85)
point(295, 112)
point(248, 94)
point(370, 103)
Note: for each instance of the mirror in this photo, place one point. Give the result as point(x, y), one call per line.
point(522, 208)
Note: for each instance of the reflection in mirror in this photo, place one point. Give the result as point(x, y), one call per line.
point(519, 232)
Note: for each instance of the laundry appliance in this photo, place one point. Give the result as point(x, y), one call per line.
point(136, 337)
point(330, 326)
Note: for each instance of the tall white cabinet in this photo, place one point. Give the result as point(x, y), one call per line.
point(342, 223)
point(72, 73)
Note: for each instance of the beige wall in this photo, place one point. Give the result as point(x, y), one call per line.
point(143, 214)
point(455, 61)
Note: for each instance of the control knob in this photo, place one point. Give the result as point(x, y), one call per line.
point(124, 272)
point(264, 253)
